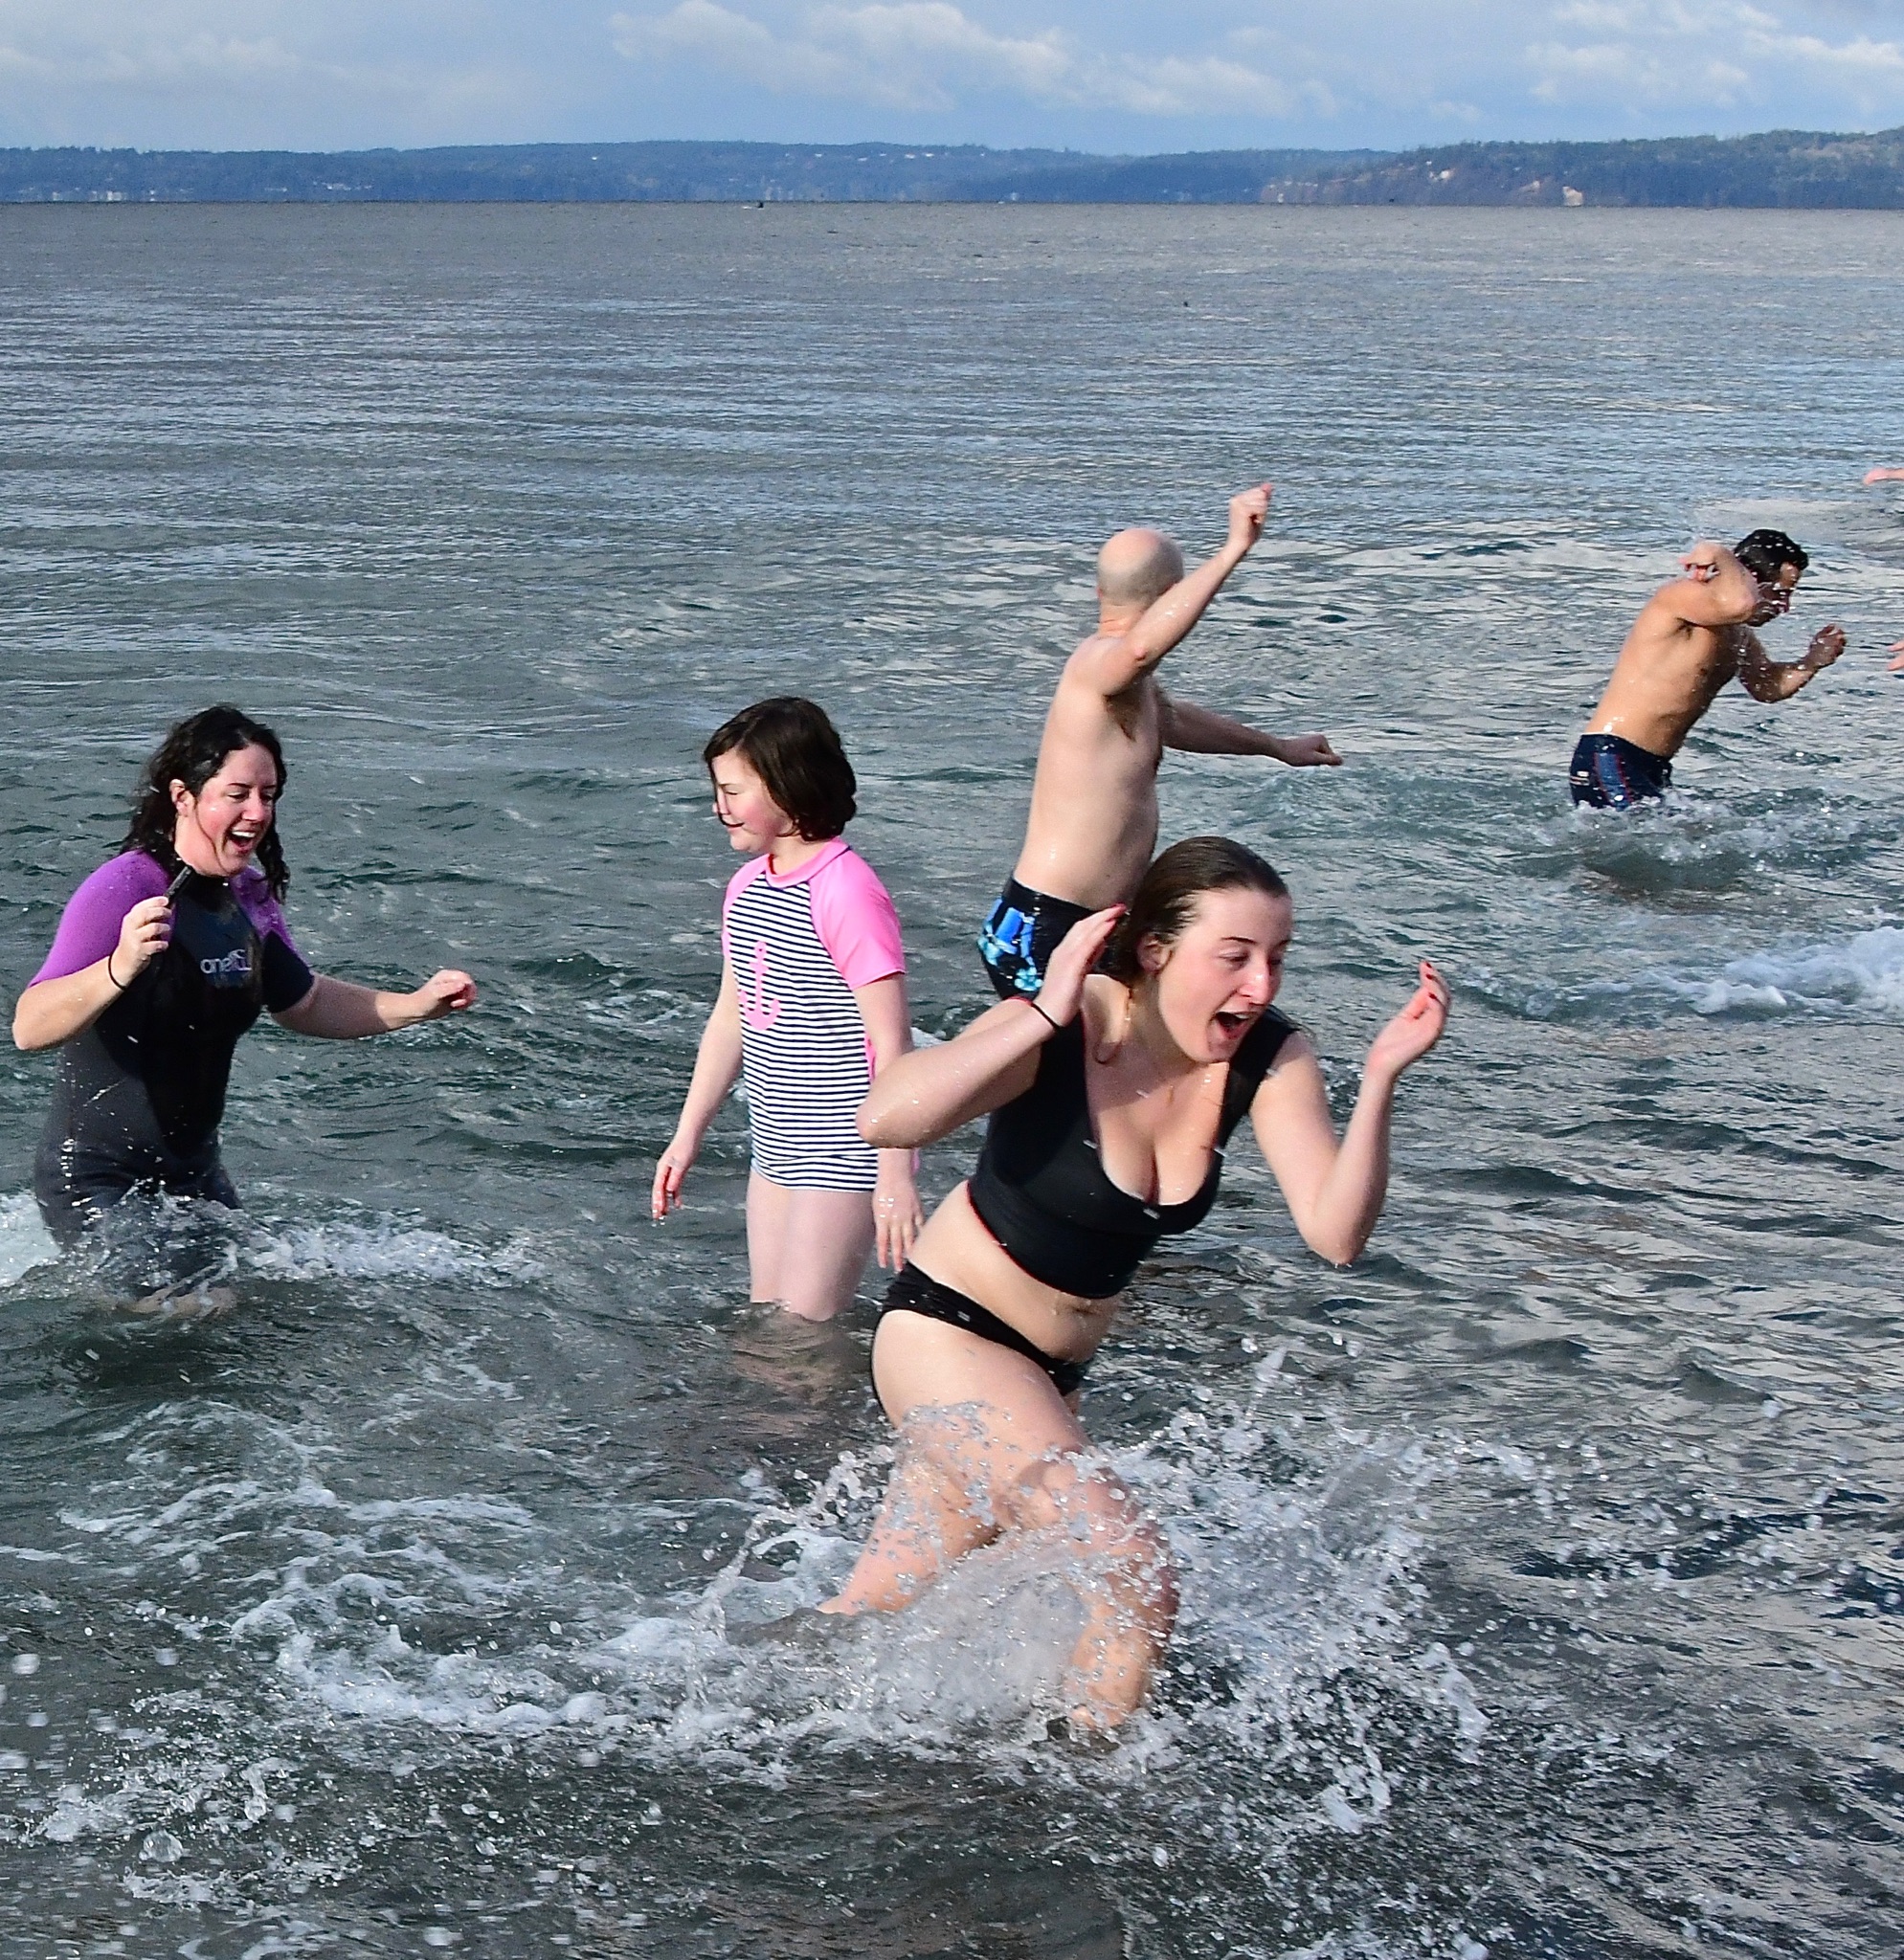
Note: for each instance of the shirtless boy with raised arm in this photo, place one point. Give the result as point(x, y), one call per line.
point(1691, 638)
point(1093, 821)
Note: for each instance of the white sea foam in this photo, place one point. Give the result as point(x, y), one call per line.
point(1865, 972)
point(24, 1241)
point(1700, 840)
point(1295, 1644)
point(381, 1250)
point(1861, 976)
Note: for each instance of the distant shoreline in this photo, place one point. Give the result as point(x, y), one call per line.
point(1782, 169)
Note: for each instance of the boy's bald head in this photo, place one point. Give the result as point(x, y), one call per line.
point(1136, 567)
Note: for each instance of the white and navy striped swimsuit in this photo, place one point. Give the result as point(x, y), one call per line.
point(797, 948)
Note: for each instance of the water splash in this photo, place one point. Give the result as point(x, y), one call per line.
point(24, 1241)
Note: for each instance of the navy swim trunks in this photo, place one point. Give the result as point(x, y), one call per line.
point(1021, 935)
point(1609, 773)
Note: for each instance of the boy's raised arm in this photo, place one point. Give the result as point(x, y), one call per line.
point(1717, 591)
point(1111, 660)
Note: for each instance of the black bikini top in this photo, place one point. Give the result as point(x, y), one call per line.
point(1042, 1192)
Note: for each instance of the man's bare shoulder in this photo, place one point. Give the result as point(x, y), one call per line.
point(1089, 656)
point(1669, 622)
point(1677, 604)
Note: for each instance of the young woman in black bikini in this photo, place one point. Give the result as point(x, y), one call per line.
point(1111, 1097)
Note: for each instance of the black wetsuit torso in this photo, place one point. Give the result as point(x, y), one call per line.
point(140, 1091)
point(1042, 1192)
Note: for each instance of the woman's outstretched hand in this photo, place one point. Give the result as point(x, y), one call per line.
point(1415, 1030)
point(448, 992)
point(1895, 666)
point(1076, 954)
point(144, 934)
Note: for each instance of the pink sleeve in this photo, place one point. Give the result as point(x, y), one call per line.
point(855, 921)
point(89, 926)
point(736, 885)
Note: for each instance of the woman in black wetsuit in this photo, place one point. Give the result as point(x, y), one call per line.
point(163, 957)
point(1111, 1097)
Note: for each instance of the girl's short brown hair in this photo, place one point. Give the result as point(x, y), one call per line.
point(1167, 896)
point(795, 750)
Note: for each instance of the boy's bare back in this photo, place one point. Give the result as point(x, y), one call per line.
point(1093, 820)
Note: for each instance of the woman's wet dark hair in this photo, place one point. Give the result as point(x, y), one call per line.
point(1167, 898)
point(194, 751)
point(1763, 552)
point(792, 747)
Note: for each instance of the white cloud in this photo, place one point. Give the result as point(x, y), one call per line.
point(1104, 75)
point(910, 56)
point(925, 53)
point(1709, 53)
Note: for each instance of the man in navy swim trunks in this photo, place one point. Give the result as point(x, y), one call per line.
point(1093, 823)
point(1691, 638)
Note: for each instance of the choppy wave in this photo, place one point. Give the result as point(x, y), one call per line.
point(1697, 841)
point(379, 1248)
point(402, 1628)
point(1865, 973)
point(1860, 977)
point(24, 1241)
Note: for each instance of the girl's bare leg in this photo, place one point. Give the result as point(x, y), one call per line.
point(927, 1522)
point(988, 1446)
point(1131, 1596)
point(807, 1249)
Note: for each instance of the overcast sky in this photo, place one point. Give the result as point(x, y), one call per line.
point(1098, 75)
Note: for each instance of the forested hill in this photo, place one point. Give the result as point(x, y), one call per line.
point(645, 172)
point(1784, 168)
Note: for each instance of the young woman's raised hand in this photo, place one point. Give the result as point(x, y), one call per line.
point(1076, 954)
point(1415, 1030)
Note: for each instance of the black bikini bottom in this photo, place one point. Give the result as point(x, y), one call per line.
point(916, 1292)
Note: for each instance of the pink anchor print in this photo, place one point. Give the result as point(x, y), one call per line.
point(759, 1013)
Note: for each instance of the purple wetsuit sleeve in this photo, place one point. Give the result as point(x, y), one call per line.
point(89, 926)
point(287, 974)
point(856, 921)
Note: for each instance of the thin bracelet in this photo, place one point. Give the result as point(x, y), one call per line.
point(119, 985)
point(1056, 1027)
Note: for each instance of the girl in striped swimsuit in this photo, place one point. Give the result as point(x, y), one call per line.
point(812, 1007)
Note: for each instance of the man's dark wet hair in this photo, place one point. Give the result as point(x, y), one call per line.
point(792, 747)
point(194, 751)
point(1762, 553)
point(1165, 902)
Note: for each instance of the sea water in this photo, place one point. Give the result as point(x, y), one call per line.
point(1544, 1573)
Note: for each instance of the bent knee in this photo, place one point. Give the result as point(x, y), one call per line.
point(1085, 1498)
